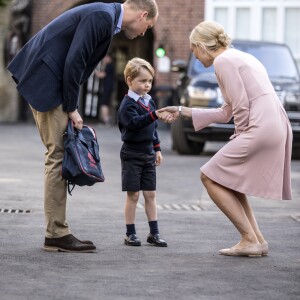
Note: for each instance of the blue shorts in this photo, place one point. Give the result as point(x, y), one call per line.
point(138, 171)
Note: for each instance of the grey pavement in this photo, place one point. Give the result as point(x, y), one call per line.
point(189, 268)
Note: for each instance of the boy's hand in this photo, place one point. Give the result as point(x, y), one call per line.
point(159, 158)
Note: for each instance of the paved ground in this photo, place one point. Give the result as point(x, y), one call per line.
point(190, 268)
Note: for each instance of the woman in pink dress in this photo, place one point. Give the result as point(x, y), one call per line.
point(257, 159)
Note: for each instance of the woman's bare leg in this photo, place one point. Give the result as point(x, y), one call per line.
point(251, 217)
point(230, 205)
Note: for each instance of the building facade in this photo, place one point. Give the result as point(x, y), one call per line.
point(259, 20)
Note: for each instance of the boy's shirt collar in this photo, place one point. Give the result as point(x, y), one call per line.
point(145, 99)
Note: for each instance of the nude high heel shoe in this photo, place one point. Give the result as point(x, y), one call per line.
point(250, 251)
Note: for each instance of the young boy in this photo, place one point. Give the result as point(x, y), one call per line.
point(140, 153)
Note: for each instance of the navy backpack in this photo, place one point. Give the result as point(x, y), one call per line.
point(81, 162)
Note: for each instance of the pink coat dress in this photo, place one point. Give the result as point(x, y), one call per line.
point(257, 159)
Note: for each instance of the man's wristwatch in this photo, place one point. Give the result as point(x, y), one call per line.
point(180, 111)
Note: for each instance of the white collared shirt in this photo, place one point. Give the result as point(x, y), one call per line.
point(119, 25)
point(145, 99)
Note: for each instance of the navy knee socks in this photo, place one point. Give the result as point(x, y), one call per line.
point(153, 225)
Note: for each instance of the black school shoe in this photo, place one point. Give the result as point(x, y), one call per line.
point(132, 240)
point(68, 243)
point(155, 240)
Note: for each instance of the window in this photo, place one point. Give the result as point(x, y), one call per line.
point(242, 23)
point(221, 16)
point(291, 32)
point(269, 28)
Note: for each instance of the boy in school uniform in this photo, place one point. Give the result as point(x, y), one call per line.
point(140, 152)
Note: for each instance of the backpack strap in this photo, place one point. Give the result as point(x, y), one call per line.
point(71, 187)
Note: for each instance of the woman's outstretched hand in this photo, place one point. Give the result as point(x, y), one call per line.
point(171, 110)
point(185, 112)
point(165, 116)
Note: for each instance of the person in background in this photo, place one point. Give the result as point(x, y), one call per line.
point(49, 71)
point(106, 75)
point(257, 159)
point(140, 152)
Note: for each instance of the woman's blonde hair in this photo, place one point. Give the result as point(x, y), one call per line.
point(210, 35)
point(134, 66)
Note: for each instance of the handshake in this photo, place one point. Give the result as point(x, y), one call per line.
point(168, 114)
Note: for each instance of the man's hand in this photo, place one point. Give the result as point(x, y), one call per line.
point(76, 118)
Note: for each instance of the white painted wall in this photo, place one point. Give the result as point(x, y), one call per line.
point(269, 20)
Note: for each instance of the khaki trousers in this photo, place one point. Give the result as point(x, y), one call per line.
point(51, 126)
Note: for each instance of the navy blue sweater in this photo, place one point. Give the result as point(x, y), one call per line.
point(137, 124)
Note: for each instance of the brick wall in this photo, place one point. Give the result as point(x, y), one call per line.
point(177, 19)
point(46, 10)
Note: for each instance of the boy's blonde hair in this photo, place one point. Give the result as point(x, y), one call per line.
point(134, 66)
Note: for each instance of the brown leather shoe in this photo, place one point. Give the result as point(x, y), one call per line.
point(84, 241)
point(68, 243)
